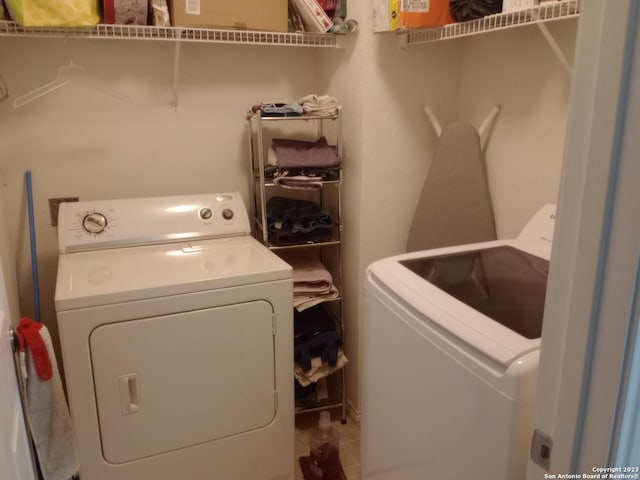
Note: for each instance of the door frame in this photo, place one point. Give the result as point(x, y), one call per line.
point(593, 268)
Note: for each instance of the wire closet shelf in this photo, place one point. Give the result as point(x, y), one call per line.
point(546, 12)
point(142, 32)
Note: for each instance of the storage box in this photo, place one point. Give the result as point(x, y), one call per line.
point(424, 13)
point(269, 15)
point(391, 15)
point(125, 12)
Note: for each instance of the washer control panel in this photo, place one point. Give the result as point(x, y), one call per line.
point(95, 225)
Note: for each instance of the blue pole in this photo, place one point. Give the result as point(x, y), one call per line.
point(34, 255)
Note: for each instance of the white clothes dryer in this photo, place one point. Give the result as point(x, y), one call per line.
point(176, 331)
point(450, 357)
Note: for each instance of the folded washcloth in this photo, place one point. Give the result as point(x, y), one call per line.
point(299, 153)
point(45, 404)
point(299, 216)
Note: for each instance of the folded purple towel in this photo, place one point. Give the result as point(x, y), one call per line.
point(298, 153)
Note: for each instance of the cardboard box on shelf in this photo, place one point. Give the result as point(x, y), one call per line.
point(424, 13)
point(268, 15)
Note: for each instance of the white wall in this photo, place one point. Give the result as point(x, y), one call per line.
point(518, 70)
point(81, 142)
point(387, 144)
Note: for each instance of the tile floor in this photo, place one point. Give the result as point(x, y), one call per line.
point(349, 441)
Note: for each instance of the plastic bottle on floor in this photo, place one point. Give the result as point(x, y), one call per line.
point(324, 444)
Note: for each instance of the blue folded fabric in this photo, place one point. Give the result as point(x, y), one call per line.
point(278, 109)
point(315, 335)
point(296, 215)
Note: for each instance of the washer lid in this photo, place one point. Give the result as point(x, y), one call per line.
point(102, 277)
point(464, 325)
point(487, 296)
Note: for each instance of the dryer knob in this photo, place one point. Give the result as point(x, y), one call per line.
point(227, 214)
point(94, 222)
point(205, 213)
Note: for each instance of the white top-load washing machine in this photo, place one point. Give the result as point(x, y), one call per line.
point(176, 331)
point(450, 358)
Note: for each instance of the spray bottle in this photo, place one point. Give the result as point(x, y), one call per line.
point(324, 443)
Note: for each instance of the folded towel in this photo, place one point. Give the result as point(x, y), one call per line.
point(280, 109)
point(303, 302)
point(298, 182)
point(296, 215)
point(318, 370)
point(46, 407)
point(320, 105)
point(285, 238)
point(300, 153)
point(310, 276)
point(318, 173)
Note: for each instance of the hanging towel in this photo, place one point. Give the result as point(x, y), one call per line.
point(455, 205)
point(46, 407)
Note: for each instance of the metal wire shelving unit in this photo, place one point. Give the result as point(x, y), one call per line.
point(182, 34)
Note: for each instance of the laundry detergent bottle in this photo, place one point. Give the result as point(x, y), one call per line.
point(324, 446)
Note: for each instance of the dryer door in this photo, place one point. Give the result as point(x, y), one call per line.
point(173, 381)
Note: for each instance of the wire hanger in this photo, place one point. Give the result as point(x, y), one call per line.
point(67, 74)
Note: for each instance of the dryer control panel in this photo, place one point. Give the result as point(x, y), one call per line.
point(96, 225)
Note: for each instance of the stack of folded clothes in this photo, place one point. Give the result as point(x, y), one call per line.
point(289, 153)
point(312, 282)
point(278, 109)
point(317, 346)
point(296, 222)
point(319, 105)
point(301, 164)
